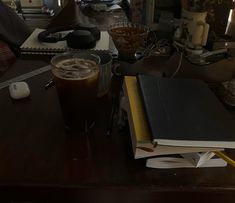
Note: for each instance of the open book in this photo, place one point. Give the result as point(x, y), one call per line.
point(33, 46)
point(142, 142)
point(189, 160)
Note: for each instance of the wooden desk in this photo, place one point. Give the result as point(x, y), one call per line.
point(41, 162)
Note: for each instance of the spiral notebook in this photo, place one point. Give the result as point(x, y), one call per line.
point(33, 46)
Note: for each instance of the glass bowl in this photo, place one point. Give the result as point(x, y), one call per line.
point(128, 38)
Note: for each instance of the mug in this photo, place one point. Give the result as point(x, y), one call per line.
point(193, 29)
point(197, 34)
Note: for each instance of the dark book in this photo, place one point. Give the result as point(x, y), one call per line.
point(142, 142)
point(185, 112)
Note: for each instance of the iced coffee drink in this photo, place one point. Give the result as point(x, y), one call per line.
point(76, 79)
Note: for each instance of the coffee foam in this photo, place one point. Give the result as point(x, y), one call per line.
point(75, 69)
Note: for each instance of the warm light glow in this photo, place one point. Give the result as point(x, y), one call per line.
point(229, 19)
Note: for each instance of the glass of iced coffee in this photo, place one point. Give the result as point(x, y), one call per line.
point(76, 77)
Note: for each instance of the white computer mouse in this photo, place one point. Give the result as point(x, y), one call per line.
point(19, 90)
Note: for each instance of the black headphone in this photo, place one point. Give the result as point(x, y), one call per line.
point(83, 36)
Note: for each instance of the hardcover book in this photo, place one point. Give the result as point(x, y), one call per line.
point(185, 112)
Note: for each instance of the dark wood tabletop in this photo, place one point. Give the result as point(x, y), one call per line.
point(42, 162)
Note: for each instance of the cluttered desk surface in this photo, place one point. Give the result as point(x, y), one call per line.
point(40, 161)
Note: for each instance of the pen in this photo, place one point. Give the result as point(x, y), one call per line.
point(223, 156)
point(50, 83)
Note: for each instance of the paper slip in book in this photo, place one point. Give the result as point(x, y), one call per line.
point(185, 112)
point(142, 143)
point(33, 46)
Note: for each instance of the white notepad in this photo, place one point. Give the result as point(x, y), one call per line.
point(33, 46)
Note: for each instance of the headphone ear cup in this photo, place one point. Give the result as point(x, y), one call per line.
point(90, 27)
point(43, 37)
point(52, 35)
point(81, 39)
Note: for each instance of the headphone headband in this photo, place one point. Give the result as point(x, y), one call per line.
point(51, 35)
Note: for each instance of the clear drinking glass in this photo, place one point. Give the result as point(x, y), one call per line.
point(76, 77)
